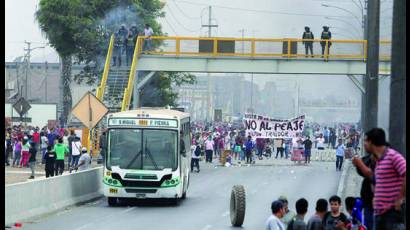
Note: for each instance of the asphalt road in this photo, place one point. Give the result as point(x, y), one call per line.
point(207, 204)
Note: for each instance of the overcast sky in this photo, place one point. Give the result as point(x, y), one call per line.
point(259, 18)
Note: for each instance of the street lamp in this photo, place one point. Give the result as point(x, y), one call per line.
point(341, 29)
point(340, 8)
point(347, 22)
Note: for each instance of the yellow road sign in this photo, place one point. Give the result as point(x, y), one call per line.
point(89, 110)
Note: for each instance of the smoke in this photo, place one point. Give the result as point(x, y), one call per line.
point(122, 15)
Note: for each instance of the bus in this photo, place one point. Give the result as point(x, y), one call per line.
point(148, 155)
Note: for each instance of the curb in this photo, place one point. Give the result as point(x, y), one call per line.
point(342, 181)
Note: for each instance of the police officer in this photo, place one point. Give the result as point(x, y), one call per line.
point(117, 49)
point(326, 35)
point(129, 50)
point(308, 44)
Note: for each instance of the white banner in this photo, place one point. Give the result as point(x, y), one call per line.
point(264, 127)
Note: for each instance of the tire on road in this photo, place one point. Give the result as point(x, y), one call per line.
point(112, 201)
point(238, 205)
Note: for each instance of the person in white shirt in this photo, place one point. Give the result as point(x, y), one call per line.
point(85, 160)
point(76, 150)
point(320, 142)
point(274, 222)
point(148, 32)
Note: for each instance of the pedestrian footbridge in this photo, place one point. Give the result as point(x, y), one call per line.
point(245, 55)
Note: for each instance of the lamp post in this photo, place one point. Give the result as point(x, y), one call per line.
point(361, 22)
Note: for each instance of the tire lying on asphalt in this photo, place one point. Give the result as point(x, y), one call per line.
point(238, 205)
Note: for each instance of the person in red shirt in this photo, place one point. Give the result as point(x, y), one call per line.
point(36, 139)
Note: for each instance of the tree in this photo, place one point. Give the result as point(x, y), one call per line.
point(79, 30)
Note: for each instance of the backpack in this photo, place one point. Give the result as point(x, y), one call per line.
point(197, 151)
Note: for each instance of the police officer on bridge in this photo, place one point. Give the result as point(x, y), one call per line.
point(308, 44)
point(326, 35)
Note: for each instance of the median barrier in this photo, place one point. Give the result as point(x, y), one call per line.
point(34, 198)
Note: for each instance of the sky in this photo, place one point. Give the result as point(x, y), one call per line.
point(258, 18)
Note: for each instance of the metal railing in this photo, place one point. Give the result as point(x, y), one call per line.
point(249, 47)
point(264, 47)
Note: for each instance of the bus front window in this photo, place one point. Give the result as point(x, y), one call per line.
point(142, 149)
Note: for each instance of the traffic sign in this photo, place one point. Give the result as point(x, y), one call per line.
point(22, 106)
point(89, 110)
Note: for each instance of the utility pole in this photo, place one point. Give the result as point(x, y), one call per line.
point(397, 120)
point(372, 66)
point(27, 57)
point(209, 98)
point(45, 91)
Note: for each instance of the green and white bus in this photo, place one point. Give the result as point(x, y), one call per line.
point(148, 154)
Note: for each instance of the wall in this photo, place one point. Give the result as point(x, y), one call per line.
point(30, 199)
point(39, 113)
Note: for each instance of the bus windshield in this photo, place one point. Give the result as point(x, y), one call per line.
point(147, 149)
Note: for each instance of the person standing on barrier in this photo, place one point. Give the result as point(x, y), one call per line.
point(326, 35)
point(390, 180)
point(309, 43)
point(274, 222)
point(340, 151)
point(60, 149)
point(308, 148)
point(50, 160)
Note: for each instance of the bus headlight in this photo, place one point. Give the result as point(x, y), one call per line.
point(115, 182)
point(172, 181)
point(109, 181)
point(167, 182)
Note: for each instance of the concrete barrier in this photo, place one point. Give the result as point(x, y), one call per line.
point(30, 199)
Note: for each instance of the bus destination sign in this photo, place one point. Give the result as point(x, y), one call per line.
point(142, 122)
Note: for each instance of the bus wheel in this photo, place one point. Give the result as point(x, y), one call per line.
point(112, 201)
point(237, 206)
point(183, 195)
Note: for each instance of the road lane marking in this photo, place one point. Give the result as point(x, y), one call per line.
point(105, 218)
point(206, 227)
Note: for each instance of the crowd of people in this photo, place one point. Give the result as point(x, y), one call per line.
point(23, 145)
point(380, 206)
point(222, 139)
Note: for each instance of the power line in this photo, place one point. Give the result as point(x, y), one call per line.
point(256, 11)
point(193, 18)
point(170, 26)
point(172, 14)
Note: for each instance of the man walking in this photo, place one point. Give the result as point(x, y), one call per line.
point(195, 155)
point(209, 147)
point(60, 149)
point(390, 180)
point(340, 151)
point(308, 43)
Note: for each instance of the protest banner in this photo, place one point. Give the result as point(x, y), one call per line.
point(258, 126)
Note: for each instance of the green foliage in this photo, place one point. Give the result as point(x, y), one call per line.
point(81, 29)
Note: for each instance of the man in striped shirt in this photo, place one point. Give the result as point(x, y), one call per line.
point(390, 180)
